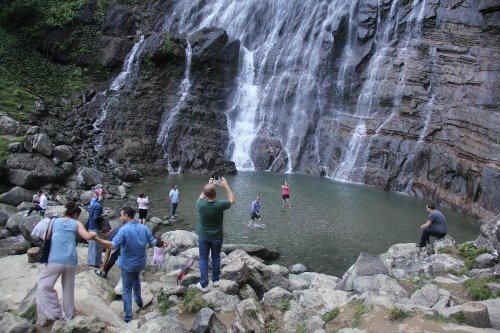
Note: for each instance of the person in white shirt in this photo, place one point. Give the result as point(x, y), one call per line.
point(143, 202)
point(39, 206)
point(174, 200)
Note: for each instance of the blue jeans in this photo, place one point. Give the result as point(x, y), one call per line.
point(130, 281)
point(205, 247)
point(173, 208)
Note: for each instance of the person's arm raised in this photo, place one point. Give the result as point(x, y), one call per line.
point(230, 195)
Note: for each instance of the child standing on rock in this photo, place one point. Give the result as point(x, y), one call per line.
point(158, 256)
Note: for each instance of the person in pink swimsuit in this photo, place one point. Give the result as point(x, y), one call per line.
point(285, 194)
point(158, 256)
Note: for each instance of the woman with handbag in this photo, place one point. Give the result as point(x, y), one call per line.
point(62, 260)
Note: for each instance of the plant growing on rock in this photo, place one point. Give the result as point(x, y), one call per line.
point(469, 252)
point(301, 328)
point(331, 315)
point(398, 314)
point(193, 301)
point(164, 304)
point(359, 311)
point(285, 303)
point(271, 326)
point(111, 295)
point(478, 291)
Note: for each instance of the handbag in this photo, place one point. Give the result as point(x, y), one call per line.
point(43, 254)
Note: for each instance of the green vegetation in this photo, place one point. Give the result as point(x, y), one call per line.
point(468, 252)
point(437, 318)
point(26, 74)
point(447, 249)
point(301, 328)
point(359, 311)
point(331, 315)
point(285, 303)
point(193, 302)
point(458, 318)
point(398, 314)
point(167, 46)
point(30, 314)
point(164, 304)
point(112, 295)
point(271, 326)
point(478, 291)
point(4, 150)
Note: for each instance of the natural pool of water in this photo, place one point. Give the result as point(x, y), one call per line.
point(326, 228)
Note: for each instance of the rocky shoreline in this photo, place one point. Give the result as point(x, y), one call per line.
point(404, 289)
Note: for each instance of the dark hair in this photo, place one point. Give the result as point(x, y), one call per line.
point(209, 191)
point(129, 211)
point(105, 226)
point(72, 209)
point(159, 242)
point(141, 195)
point(431, 206)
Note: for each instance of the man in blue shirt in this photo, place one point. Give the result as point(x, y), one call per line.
point(436, 225)
point(132, 239)
point(94, 254)
point(174, 200)
point(255, 211)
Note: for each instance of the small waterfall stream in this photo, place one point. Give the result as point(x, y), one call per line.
point(123, 81)
point(171, 116)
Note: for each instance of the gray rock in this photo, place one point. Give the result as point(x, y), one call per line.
point(276, 296)
point(229, 287)
point(207, 321)
point(297, 283)
point(163, 324)
point(366, 265)
point(297, 269)
point(247, 292)
point(40, 143)
point(253, 250)
point(5, 212)
point(13, 245)
point(11, 323)
point(315, 324)
point(446, 241)
point(63, 153)
point(379, 284)
point(16, 196)
point(320, 299)
point(33, 171)
point(179, 241)
point(88, 324)
point(111, 51)
point(444, 262)
point(294, 316)
point(26, 227)
point(9, 126)
point(220, 301)
point(207, 43)
point(27, 307)
point(88, 177)
point(427, 296)
point(485, 260)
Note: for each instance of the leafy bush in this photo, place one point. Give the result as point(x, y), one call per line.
point(164, 304)
point(271, 326)
point(112, 295)
point(398, 314)
point(437, 318)
point(478, 291)
point(447, 249)
point(469, 252)
point(331, 315)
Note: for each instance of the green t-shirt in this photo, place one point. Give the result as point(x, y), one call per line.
point(210, 218)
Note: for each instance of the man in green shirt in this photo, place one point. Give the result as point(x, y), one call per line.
point(210, 231)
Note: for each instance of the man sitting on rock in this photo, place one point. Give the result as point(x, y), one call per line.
point(436, 225)
point(40, 205)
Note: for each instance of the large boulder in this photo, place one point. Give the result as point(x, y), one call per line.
point(40, 143)
point(16, 196)
point(11, 323)
point(13, 245)
point(120, 20)
point(88, 177)
point(253, 250)
point(366, 265)
point(207, 321)
point(33, 170)
point(63, 153)
point(5, 212)
point(208, 43)
point(111, 51)
point(9, 126)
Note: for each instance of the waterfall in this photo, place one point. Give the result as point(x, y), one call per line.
point(171, 116)
point(243, 129)
point(282, 47)
point(123, 81)
point(366, 99)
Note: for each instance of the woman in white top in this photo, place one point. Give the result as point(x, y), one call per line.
point(143, 202)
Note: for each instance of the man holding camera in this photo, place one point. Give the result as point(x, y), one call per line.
point(209, 229)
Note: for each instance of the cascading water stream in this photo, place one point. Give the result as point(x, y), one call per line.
point(168, 121)
point(282, 45)
point(366, 99)
point(123, 81)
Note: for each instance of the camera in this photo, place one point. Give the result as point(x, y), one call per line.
point(216, 179)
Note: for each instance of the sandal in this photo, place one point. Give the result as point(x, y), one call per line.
point(98, 272)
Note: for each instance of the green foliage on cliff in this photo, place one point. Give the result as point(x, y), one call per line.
point(33, 17)
point(469, 252)
point(25, 74)
point(478, 290)
point(4, 150)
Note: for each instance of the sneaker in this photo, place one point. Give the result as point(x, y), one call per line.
point(99, 273)
point(140, 304)
point(215, 284)
point(200, 288)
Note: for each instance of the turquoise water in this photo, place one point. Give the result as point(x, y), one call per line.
point(326, 228)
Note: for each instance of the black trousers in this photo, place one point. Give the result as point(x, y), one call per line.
point(427, 233)
point(111, 261)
